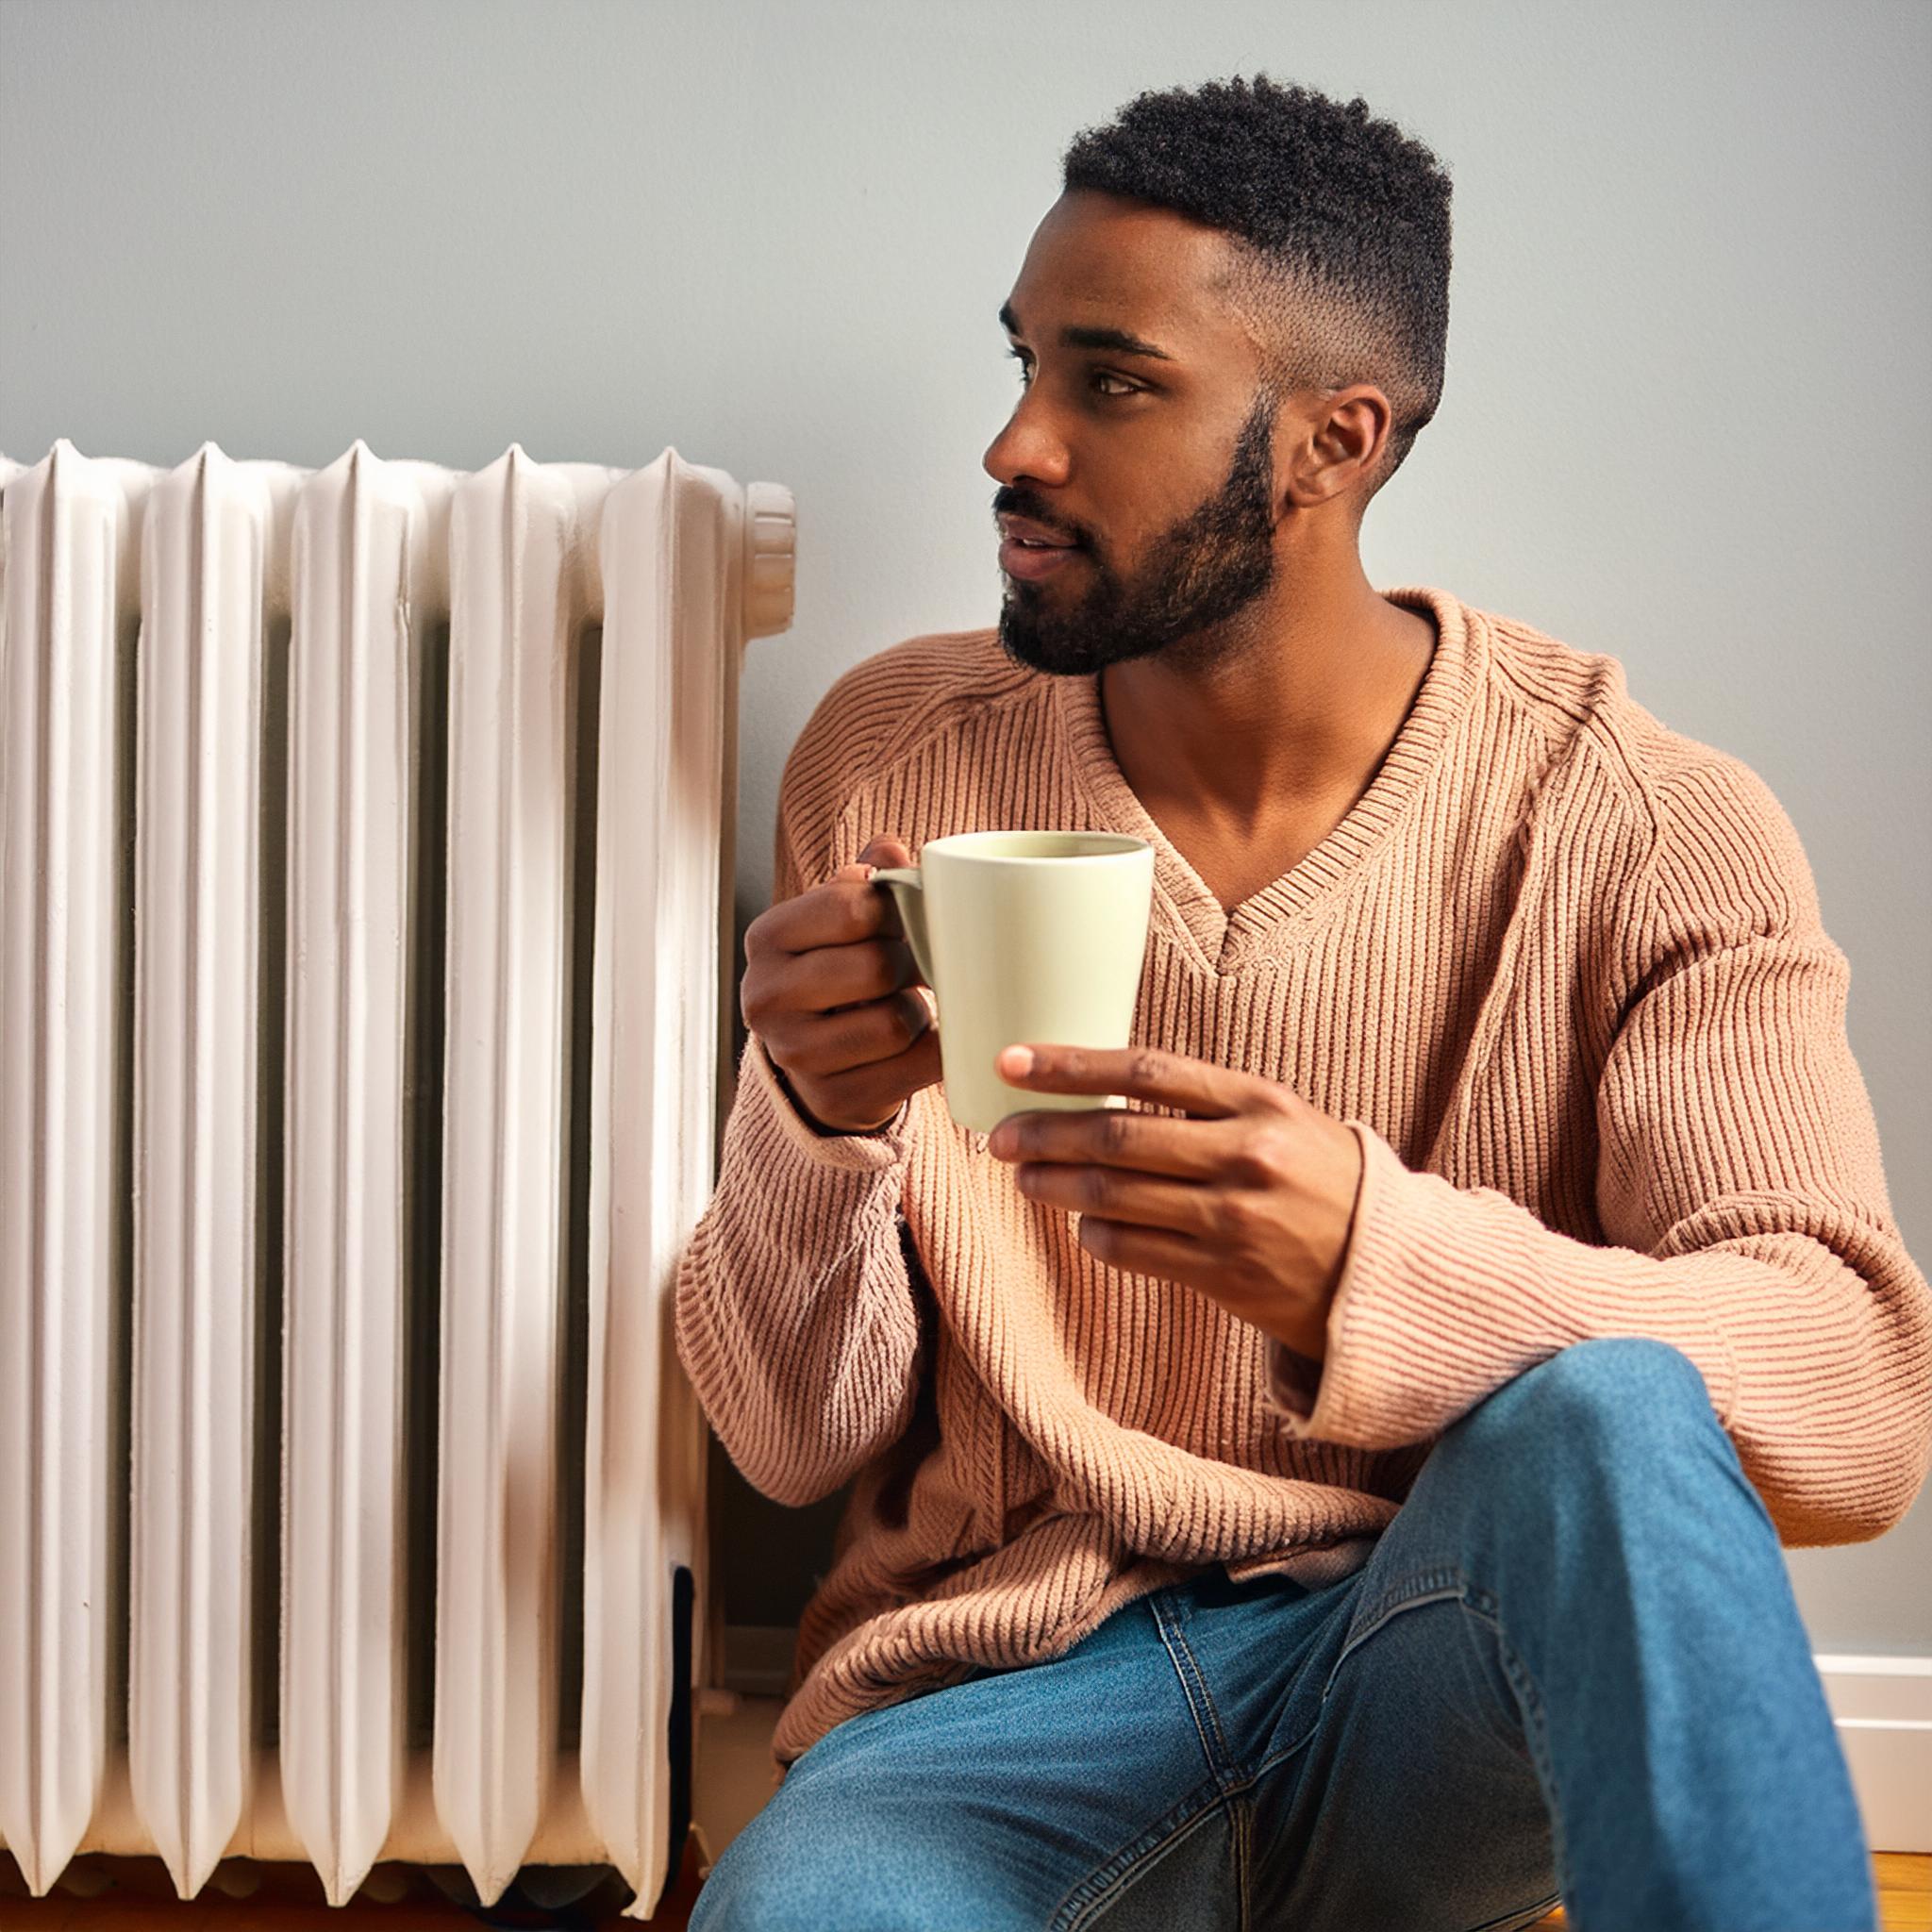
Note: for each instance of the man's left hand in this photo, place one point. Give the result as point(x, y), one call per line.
point(1248, 1200)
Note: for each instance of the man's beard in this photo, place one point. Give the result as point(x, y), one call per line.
point(1198, 573)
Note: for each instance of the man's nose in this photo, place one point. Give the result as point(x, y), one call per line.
point(1027, 447)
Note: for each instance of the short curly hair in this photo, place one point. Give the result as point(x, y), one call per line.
point(1341, 222)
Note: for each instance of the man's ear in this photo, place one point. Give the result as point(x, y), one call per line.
point(1344, 434)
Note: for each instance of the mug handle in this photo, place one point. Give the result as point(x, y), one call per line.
point(909, 895)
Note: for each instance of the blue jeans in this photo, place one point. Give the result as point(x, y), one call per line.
point(1572, 1665)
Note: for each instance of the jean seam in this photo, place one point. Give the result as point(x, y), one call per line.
point(1404, 1592)
point(1220, 1766)
point(1440, 1583)
point(1240, 1819)
point(1444, 1583)
point(1483, 1606)
point(1103, 1885)
point(1541, 1908)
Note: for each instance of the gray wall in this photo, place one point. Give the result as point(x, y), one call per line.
point(1686, 417)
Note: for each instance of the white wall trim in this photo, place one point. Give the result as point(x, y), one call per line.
point(1883, 1705)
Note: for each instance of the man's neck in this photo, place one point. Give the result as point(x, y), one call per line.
point(1288, 730)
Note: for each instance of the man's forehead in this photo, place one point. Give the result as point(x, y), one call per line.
point(1097, 260)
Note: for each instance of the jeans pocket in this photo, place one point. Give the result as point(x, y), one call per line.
point(1437, 1584)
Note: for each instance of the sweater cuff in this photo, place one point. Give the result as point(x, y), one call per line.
point(886, 1146)
point(1294, 1380)
point(1446, 1294)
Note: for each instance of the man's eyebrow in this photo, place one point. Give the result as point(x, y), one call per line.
point(1118, 339)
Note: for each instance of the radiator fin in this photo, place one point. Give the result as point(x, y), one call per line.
point(65, 564)
point(511, 698)
point(355, 721)
point(196, 1073)
point(670, 574)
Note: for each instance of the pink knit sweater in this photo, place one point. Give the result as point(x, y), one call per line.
point(1561, 970)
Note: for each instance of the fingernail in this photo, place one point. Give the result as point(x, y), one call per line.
point(1017, 1060)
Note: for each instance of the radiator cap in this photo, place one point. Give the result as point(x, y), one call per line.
point(771, 531)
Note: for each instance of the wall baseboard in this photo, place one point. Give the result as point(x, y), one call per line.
point(1883, 1705)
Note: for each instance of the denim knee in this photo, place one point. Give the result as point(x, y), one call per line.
point(755, 1885)
point(1595, 1394)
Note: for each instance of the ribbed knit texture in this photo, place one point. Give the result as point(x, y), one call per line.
point(1560, 969)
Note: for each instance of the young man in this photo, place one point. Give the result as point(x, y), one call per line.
point(1343, 1489)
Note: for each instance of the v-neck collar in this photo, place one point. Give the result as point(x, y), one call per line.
point(1226, 941)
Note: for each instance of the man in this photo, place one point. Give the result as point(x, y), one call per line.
point(1344, 1488)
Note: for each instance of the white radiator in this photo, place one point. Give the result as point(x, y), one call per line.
point(366, 846)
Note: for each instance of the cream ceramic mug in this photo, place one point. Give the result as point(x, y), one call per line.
point(1025, 936)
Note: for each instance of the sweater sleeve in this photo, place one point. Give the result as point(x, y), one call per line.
point(795, 1318)
point(1739, 1188)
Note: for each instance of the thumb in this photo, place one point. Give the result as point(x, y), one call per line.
point(882, 850)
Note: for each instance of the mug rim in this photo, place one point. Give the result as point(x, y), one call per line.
point(1116, 845)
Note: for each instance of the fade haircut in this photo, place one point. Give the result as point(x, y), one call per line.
point(1339, 224)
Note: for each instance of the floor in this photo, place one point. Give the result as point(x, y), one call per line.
point(1905, 1894)
point(288, 1899)
point(142, 1900)
point(733, 1781)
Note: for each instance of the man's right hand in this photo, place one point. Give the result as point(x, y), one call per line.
point(828, 980)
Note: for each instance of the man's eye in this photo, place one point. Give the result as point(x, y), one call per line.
point(1122, 387)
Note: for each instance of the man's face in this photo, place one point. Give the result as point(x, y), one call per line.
point(1157, 466)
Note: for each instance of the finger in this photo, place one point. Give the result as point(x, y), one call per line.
point(1183, 1208)
point(882, 851)
point(1154, 1251)
point(1119, 1137)
point(1168, 1079)
point(822, 1045)
point(830, 977)
point(873, 1090)
point(843, 911)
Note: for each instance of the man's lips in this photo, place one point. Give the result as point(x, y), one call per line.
point(1030, 551)
point(1025, 530)
point(1029, 565)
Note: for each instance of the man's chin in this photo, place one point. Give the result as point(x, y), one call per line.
point(1036, 654)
